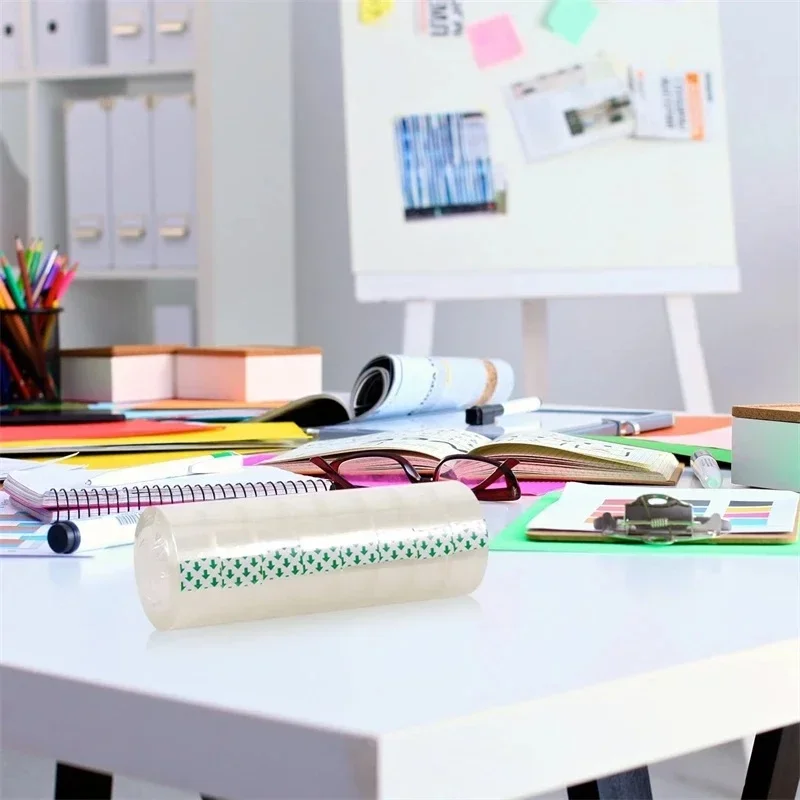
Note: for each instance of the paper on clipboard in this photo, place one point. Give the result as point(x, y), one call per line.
point(563, 111)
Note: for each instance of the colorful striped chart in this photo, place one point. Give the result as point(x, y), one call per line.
point(745, 515)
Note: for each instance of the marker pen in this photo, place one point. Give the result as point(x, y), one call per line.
point(69, 536)
point(486, 415)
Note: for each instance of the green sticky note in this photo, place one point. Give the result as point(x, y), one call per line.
point(571, 18)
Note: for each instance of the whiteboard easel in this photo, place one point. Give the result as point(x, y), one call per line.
point(418, 330)
point(628, 217)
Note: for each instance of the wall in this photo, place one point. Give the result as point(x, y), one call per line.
point(615, 352)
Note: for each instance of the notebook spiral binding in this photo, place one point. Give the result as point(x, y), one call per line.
point(72, 503)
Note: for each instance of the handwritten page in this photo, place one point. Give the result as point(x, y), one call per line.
point(440, 18)
point(437, 444)
point(494, 41)
point(748, 510)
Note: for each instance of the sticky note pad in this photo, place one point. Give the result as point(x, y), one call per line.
point(494, 41)
point(370, 11)
point(571, 18)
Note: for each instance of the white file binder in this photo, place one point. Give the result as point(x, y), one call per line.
point(132, 183)
point(69, 33)
point(87, 136)
point(11, 37)
point(174, 170)
point(174, 32)
point(129, 31)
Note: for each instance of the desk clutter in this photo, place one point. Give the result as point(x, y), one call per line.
point(130, 180)
point(83, 33)
point(264, 517)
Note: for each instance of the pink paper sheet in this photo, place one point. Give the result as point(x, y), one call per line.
point(494, 41)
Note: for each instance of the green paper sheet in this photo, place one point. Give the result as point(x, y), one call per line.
point(571, 18)
point(685, 450)
point(513, 539)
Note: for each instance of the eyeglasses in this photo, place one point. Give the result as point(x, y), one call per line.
point(490, 480)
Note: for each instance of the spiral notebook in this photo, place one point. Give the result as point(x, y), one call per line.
point(55, 492)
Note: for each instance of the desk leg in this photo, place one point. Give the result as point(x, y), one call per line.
point(774, 769)
point(76, 783)
point(632, 785)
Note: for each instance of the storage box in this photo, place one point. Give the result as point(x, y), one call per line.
point(69, 33)
point(129, 31)
point(87, 135)
point(248, 374)
point(766, 446)
point(122, 374)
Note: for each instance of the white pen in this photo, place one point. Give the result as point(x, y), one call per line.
point(201, 465)
point(706, 469)
point(68, 536)
point(486, 415)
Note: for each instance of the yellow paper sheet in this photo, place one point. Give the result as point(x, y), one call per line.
point(120, 460)
point(253, 432)
point(370, 11)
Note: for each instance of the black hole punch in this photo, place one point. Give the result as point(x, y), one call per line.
point(8, 29)
point(52, 26)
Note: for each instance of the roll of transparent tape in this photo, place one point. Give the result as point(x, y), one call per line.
point(210, 563)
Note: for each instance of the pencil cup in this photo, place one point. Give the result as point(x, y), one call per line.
point(30, 362)
point(228, 561)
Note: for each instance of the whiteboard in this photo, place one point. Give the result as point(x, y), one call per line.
point(625, 216)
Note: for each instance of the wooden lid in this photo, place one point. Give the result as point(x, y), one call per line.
point(121, 350)
point(778, 412)
point(243, 352)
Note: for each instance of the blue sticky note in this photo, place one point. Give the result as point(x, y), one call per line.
point(571, 18)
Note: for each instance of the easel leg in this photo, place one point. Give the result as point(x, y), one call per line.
point(631, 785)
point(774, 769)
point(534, 348)
point(76, 783)
point(689, 358)
point(418, 328)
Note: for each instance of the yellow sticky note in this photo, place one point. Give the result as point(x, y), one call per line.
point(370, 11)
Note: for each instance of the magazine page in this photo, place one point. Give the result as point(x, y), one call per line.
point(394, 386)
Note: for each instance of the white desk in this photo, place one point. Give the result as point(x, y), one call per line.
point(558, 670)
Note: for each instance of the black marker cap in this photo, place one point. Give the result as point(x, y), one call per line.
point(483, 415)
point(64, 537)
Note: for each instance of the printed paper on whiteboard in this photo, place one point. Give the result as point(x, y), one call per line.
point(563, 111)
point(673, 105)
point(440, 18)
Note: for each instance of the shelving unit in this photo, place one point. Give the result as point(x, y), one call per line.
point(242, 291)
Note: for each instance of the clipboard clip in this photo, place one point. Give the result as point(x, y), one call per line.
point(660, 519)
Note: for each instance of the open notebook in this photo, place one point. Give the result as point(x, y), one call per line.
point(58, 492)
point(545, 455)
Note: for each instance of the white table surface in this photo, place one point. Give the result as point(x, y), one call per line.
point(558, 669)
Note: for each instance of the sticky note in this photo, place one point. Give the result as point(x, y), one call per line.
point(571, 18)
point(370, 11)
point(494, 41)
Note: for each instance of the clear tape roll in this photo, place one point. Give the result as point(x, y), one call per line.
point(211, 563)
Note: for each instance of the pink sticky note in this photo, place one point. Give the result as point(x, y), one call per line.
point(494, 41)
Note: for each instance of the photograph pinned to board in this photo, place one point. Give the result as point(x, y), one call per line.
point(566, 110)
point(571, 19)
point(370, 11)
point(494, 41)
point(445, 165)
point(440, 18)
point(670, 104)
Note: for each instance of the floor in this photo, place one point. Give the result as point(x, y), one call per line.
point(715, 774)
